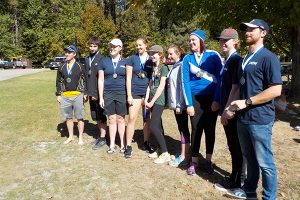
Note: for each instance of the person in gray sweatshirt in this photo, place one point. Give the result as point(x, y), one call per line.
point(176, 103)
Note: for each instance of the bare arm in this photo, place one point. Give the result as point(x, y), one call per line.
point(128, 83)
point(101, 87)
point(267, 95)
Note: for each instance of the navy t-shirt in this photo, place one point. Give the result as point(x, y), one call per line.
point(139, 85)
point(261, 71)
point(228, 78)
point(111, 83)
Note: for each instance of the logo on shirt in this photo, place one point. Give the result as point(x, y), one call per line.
point(253, 63)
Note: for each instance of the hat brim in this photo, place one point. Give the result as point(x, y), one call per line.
point(114, 44)
point(70, 49)
point(226, 38)
point(244, 26)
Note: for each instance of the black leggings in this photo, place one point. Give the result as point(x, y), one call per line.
point(206, 122)
point(182, 120)
point(156, 127)
point(238, 172)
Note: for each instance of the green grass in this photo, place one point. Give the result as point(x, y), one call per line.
point(36, 165)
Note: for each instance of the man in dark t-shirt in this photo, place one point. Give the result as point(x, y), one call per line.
point(92, 63)
point(259, 83)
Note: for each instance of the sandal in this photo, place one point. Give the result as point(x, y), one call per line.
point(69, 140)
point(111, 150)
point(122, 150)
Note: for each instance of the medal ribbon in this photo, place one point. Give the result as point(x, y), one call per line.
point(70, 70)
point(223, 68)
point(115, 64)
point(245, 62)
point(198, 59)
point(178, 61)
point(141, 64)
point(91, 60)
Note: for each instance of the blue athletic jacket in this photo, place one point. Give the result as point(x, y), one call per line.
point(209, 83)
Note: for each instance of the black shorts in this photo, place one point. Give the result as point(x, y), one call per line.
point(97, 113)
point(115, 103)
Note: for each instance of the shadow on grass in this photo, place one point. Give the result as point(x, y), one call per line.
point(174, 147)
point(90, 129)
point(172, 144)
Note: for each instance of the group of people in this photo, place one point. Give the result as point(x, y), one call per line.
point(200, 86)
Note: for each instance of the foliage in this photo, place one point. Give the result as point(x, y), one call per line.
point(6, 38)
point(94, 23)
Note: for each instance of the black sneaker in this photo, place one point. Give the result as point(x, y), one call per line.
point(95, 141)
point(208, 167)
point(100, 143)
point(226, 184)
point(147, 147)
point(128, 152)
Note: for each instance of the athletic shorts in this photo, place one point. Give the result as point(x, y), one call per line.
point(97, 113)
point(72, 107)
point(115, 103)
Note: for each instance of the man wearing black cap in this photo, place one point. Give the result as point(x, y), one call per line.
point(70, 92)
point(259, 82)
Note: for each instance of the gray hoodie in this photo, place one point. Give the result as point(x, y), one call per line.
point(174, 85)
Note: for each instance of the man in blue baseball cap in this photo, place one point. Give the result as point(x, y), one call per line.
point(259, 80)
point(71, 92)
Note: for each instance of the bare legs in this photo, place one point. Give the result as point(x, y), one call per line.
point(70, 126)
point(116, 122)
point(133, 112)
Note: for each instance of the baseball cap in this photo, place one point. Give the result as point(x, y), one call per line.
point(229, 33)
point(156, 48)
point(200, 34)
point(116, 42)
point(255, 23)
point(72, 48)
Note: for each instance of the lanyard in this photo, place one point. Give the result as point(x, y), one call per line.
point(173, 66)
point(141, 64)
point(91, 60)
point(70, 70)
point(198, 59)
point(115, 64)
point(223, 68)
point(245, 62)
point(154, 74)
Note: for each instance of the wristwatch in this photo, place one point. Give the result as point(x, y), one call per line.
point(248, 102)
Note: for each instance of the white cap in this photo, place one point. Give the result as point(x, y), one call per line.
point(116, 42)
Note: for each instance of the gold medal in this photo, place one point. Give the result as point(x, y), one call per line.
point(115, 75)
point(242, 81)
point(69, 80)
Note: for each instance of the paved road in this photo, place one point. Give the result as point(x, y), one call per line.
point(12, 73)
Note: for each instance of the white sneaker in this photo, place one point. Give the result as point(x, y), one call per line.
point(164, 157)
point(155, 154)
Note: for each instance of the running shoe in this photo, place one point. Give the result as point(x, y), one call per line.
point(192, 169)
point(208, 167)
point(163, 158)
point(128, 152)
point(100, 143)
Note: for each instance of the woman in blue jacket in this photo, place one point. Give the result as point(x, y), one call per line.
point(201, 87)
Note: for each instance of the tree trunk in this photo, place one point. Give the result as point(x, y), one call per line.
point(295, 87)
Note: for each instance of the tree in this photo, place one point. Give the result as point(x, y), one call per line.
point(94, 23)
point(7, 37)
point(282, 16)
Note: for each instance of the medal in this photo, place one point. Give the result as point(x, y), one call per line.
point(90, 72)
point(199, 74)
point(141, 75)
point(115, 75)
point(69, 80)
point(242, 80)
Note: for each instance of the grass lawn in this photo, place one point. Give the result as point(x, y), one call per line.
point(36, 165)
